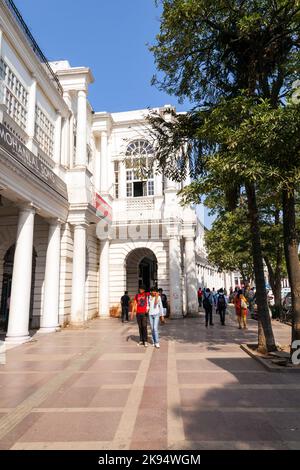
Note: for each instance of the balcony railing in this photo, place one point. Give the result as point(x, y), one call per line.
point(33, 44)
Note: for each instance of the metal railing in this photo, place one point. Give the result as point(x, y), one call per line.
point(33, 44)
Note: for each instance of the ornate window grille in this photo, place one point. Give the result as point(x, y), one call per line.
point(14, 95)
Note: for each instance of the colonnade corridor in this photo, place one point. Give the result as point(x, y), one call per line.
point(94, 388)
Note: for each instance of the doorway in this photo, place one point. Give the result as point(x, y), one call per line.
point(141, 269)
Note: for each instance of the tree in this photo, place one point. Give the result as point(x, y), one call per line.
point(208, 50)
point(228, 244)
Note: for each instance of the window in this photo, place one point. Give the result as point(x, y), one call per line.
point(116, 184)
point(139, 171)
point(15, 95)
point(44, 131)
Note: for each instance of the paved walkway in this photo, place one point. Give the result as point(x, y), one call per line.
point(96, 389)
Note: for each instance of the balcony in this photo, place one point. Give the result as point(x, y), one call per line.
point(136, 208)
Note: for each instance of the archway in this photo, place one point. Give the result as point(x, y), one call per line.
point(6, 286)
point(141, 269)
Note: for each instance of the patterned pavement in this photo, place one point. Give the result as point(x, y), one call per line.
point(96, 389)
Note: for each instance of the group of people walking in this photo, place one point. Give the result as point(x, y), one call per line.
point(153, 305)
point(217, 302)
point(146, 305)
point(213, 302)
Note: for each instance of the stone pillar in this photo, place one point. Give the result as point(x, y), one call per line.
point(66, 157)
point(32, 144)
point(191, 276)
point(57, 140)
point(79, 275)
point(104, 163)
point(18, 326)
point(49, 320)
point(81, 142)
point(104, 279)
point(97, 171)
point(175, 277)
point(71, 140)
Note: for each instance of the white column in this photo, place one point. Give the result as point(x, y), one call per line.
point(104, 279)
point(175, 277)
point(71, 140)
point(18, 326)
point(104, 163)
point(31, 117)
point(57, 140)
point(65, 153)
point(79, 274)
point(49, 319)
point(81, 156)
point(191, 276)
point(97, 172)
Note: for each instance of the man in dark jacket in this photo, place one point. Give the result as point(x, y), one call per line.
point(125, 299)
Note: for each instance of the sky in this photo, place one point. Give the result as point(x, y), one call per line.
point(109, 36)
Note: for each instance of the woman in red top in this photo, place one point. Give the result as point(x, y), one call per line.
point(141, 308)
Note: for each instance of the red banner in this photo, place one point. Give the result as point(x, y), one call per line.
point(103, 209)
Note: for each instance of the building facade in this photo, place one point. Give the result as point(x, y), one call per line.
point(79, 222)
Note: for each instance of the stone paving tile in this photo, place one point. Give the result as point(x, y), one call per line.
point(287, 424)
point(110, 398)
point(72, 398)
point(78, 426)
point(219, 398)
point(105, 379)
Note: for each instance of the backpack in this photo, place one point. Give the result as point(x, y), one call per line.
point(221, 302)
point(206, 302)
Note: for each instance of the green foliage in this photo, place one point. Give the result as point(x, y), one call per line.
point(212, 48)
point(228, 243)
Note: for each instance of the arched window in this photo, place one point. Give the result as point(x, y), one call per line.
point(139, 148)
point(139, 169)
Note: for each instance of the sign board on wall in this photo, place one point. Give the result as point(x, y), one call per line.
point(20, 153)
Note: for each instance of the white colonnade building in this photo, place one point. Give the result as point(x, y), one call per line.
point(78, 224)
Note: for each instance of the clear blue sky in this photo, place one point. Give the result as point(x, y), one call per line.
point(110, 37)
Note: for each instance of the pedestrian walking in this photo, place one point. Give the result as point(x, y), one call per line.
point(222, 306)
point(251, 301)
point(214, 298)
point(208, 307)
point(200, 297)
point(140, 309)
point(125, 300)
point(164, 301)
point(241, 308)
point(155, 313)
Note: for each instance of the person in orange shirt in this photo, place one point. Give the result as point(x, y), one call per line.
point(241, 309)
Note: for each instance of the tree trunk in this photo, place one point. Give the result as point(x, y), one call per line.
point(292, 259)
point(275, 280)
point(266, 340)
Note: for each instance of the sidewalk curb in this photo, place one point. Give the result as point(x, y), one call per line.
point(271, 367)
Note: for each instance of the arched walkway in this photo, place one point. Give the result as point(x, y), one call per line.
point(141, 269)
